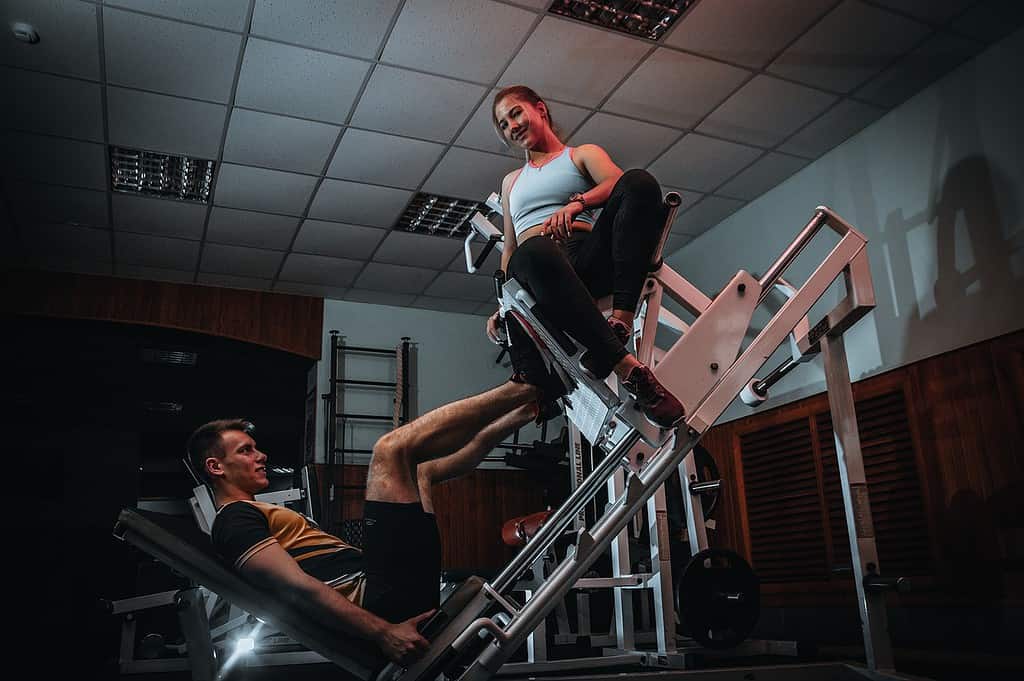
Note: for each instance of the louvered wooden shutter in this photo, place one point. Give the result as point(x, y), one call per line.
point(894, 487)
point(784, 503)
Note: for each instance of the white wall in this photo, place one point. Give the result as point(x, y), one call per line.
point(455, 360)
point(937, 186)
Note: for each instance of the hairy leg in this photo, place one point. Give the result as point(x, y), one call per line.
point(468, 458)
point(447, 429)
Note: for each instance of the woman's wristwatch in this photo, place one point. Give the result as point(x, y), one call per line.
point(578, 197)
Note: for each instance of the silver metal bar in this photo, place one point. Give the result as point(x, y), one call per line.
point(791, 252)
point(859, 524)
point(560, 519)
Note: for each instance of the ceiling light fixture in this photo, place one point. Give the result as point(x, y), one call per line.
point(134, 171)
point(437, 215)
point(648, 19)
point(26, 33)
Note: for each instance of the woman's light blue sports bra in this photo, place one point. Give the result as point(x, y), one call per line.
point(539, 191)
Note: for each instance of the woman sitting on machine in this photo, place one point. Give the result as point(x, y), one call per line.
point(557, 250)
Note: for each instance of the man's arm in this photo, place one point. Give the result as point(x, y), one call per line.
point(273, 569)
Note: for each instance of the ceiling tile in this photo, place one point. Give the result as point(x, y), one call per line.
point(68, 42)
point(240, 261)
point(359, 204)
point(990, 20)
point(834, 126)
point(86, 243)
point(319, 269)
point(165, 217)
point(354, 27)
point(420, 250)
point(227, 14)
point(314, 290)
point(182, 127)
point(156, 251)
point(765, 173)
point(446, 305)
point(938, 55)
point(748, 33)
point(471, 39)
point(394, 278)
point(415, 104)
point(246, 228)
point(704, 215)
point(154, 273)
point(575, 62)
point(380, 297)
point(631, 144)
point(52, 105)
point(337, 239)
point(298, 82)
point(233, 281)
point(168, 56)
point(32, 203)
point(848, 46)
point(702, 163)
point(933, 11)
point(487, 308)
point(674, 88)
point(279, 142)
point(469, 174)
point(260, 189)
point(377, 158)
point(479, 132)
point(463, 286)
point(45, 159)
point(765, 111)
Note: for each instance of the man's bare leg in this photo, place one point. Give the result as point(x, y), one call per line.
point(464, 461)
point(443, 431)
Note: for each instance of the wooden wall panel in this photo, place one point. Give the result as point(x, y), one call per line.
point(277, 320)
point(965, 420)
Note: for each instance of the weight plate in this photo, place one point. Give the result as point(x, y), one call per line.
point(719, 599)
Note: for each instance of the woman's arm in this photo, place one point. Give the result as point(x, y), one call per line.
point(602, 170)
point(595, 162)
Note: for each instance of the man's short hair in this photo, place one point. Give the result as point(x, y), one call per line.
point(206, 442)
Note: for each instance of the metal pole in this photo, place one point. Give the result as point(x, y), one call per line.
point(859, 524)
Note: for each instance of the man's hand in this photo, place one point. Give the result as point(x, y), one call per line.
point(402, 642)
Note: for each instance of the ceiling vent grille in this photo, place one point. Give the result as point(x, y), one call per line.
point(134, 171)
point(438, 215)
point(649, 19)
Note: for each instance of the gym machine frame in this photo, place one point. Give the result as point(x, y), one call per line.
point(705, 369)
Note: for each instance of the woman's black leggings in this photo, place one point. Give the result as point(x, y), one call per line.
point(614, 258)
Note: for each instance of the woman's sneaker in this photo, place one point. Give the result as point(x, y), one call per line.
point(659, 405)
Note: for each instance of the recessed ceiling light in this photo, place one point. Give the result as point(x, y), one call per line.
point(437, 215)
point(648, 19)
point(134, 171)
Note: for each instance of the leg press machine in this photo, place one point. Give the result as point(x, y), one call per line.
point(480, 626)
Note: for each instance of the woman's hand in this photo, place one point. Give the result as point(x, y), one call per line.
point(559, 225)
point(494, 330)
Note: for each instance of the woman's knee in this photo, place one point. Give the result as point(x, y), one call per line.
point(641, 183)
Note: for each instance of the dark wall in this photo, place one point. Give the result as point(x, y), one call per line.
point(87, 442)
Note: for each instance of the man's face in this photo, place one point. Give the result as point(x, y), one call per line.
point(242, 465)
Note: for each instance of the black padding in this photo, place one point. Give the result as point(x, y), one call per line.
point(178, 543)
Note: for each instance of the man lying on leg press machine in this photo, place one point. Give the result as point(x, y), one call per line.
point(384, 591)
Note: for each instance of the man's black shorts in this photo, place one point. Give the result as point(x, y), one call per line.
point(402, 550)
